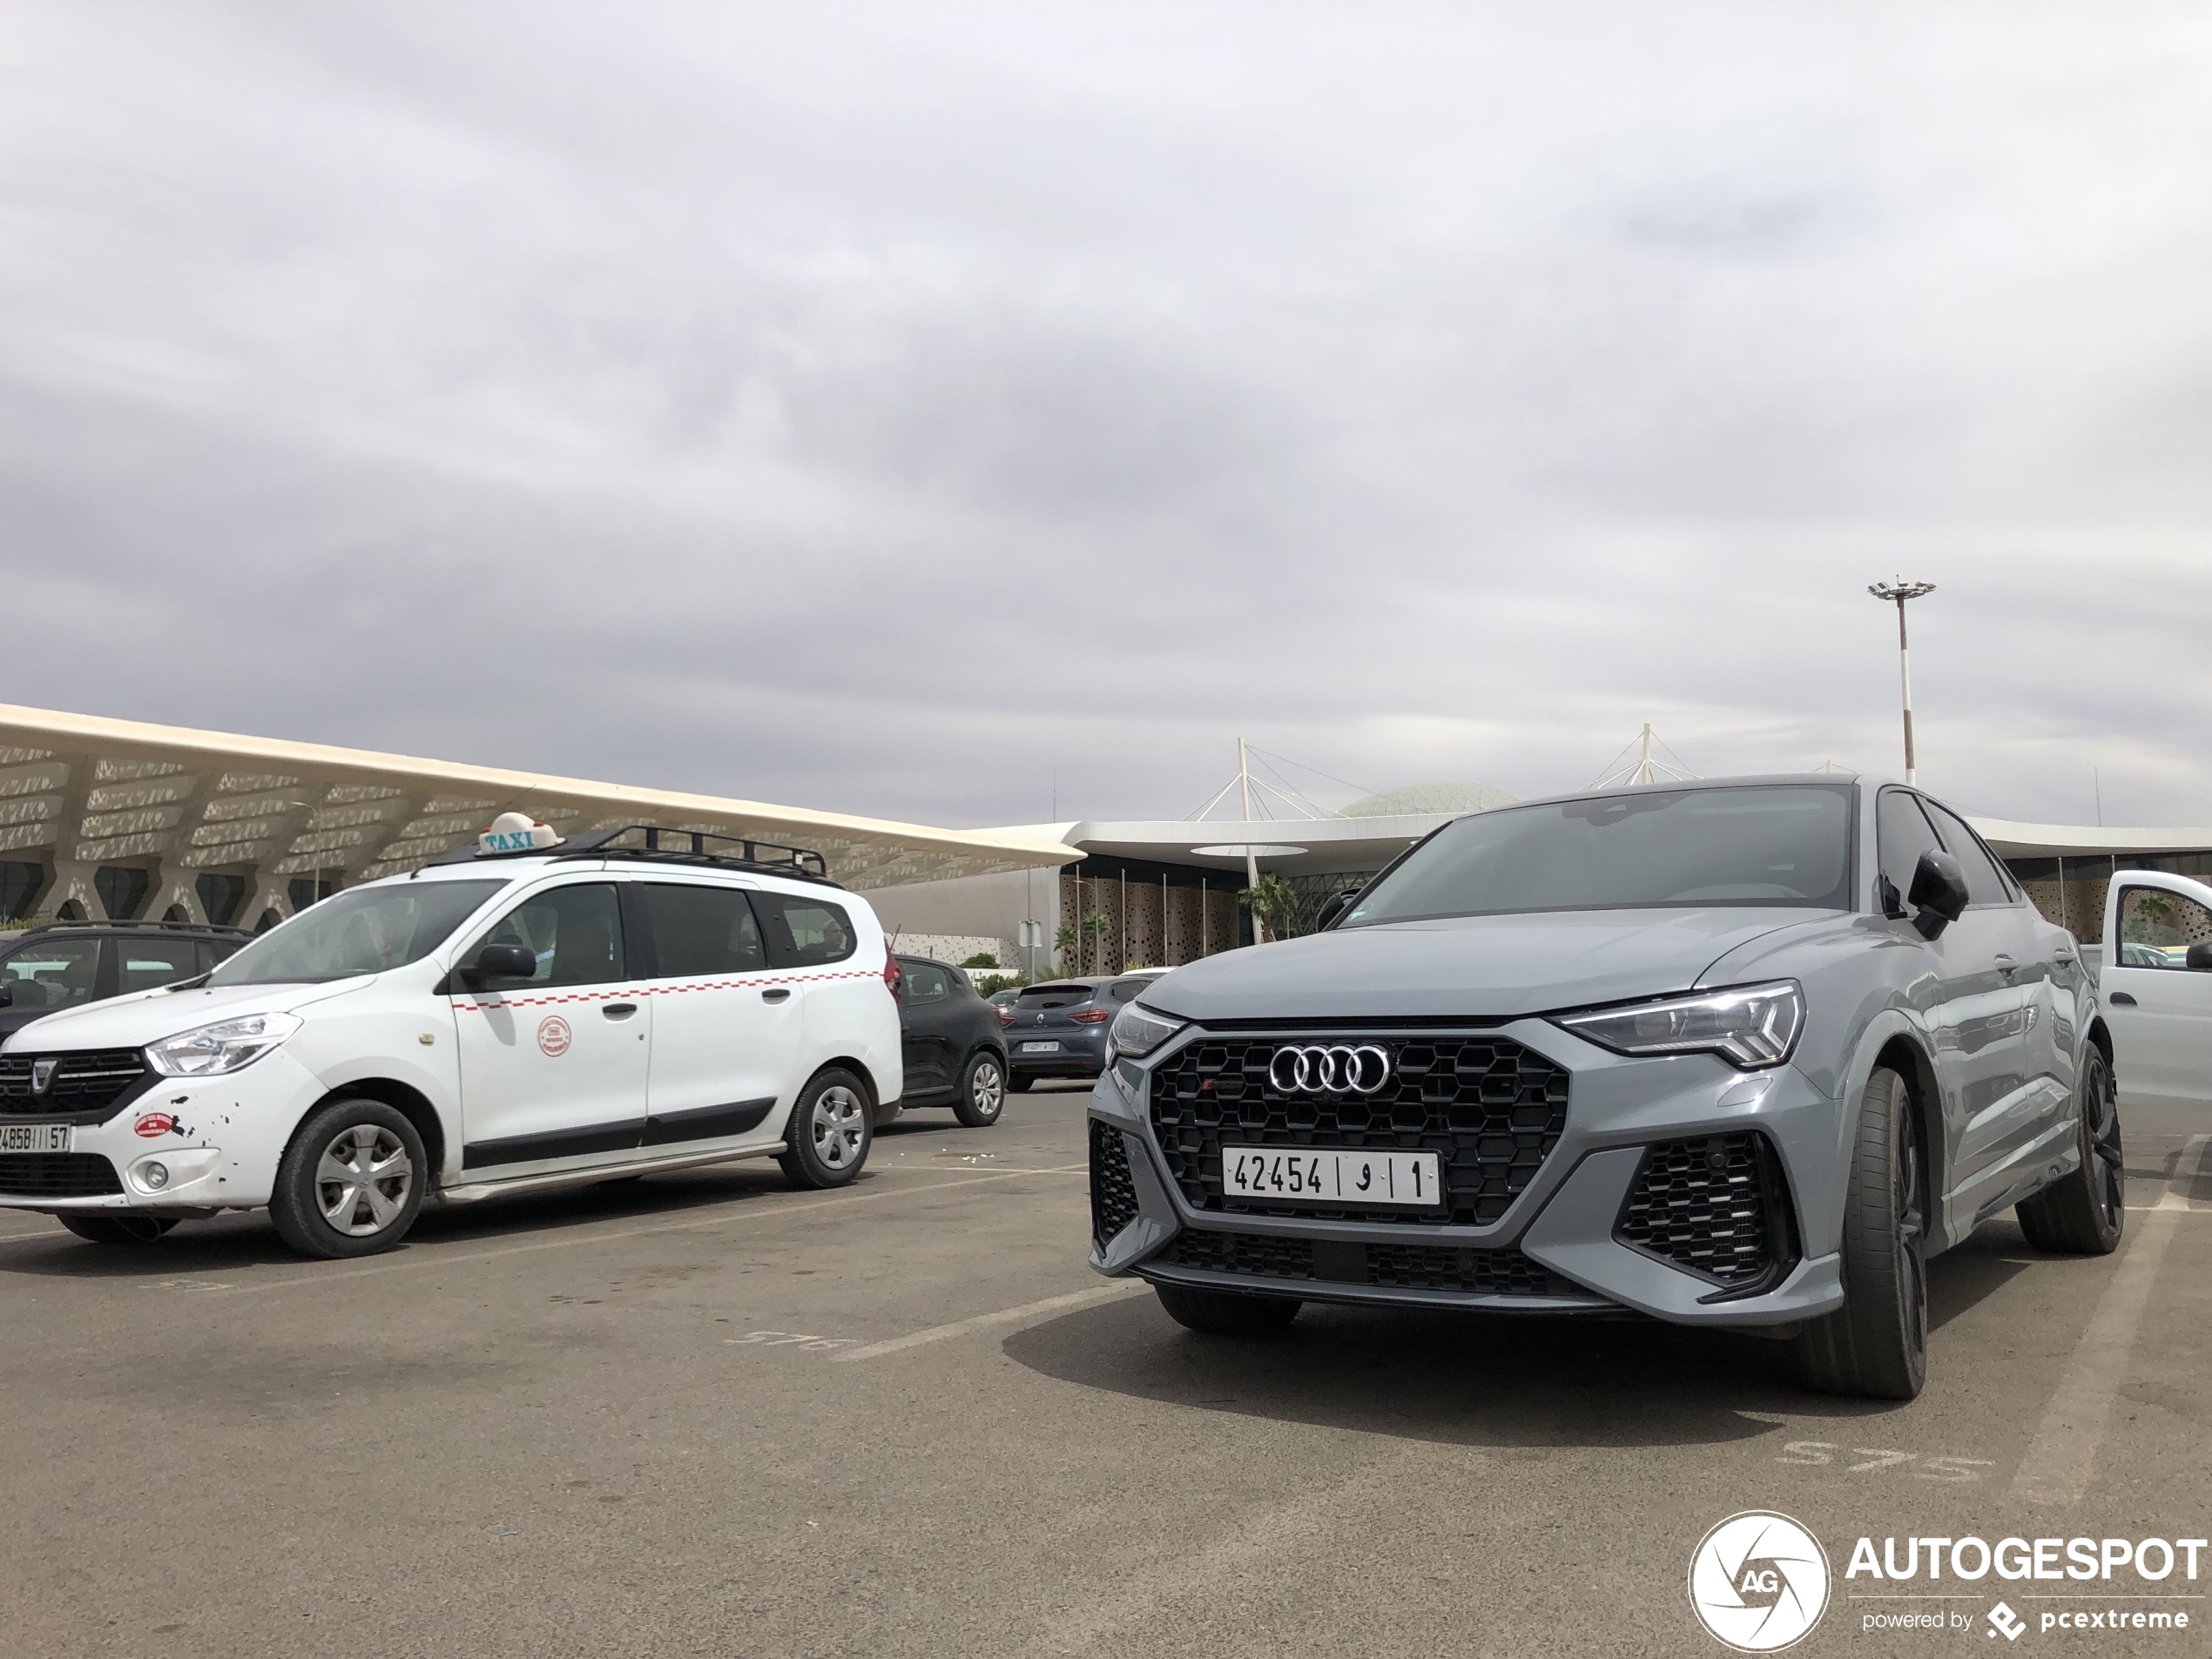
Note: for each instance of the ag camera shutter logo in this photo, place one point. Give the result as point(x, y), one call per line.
point(1759, 1581)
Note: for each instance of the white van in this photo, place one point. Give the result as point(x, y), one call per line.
point(524, 1013)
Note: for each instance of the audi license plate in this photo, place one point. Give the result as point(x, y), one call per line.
point(33, 1137)
point(1277, 1173)
point(1039, 1048)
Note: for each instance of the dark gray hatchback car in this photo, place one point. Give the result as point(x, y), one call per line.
point(1740, 1053)
point(1059, 1027)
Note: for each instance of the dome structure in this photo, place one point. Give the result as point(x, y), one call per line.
point(1430, 801)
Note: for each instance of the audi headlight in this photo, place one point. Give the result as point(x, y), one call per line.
point(1138, 1030)
point(228, 1045)
point(1750, 1026)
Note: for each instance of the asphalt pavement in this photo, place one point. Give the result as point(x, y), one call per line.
point(701, 1413)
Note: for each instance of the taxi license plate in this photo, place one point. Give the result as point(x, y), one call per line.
point(33, 1137)
point(1039, 1048)
point(1316, 1175)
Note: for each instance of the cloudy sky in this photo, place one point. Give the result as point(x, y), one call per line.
point(920, 409)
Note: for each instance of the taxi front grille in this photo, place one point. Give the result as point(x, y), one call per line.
point(1113, 1190)
point(1491, 1109)
point(57, 1175)
point(88, 1080)
point(1330, 1261)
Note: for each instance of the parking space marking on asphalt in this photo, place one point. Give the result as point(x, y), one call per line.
point(2056, 1468)
point(985, 1321)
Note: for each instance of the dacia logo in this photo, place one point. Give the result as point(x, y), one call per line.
point(42, 1075)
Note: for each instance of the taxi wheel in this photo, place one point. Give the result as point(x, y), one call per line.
point(119, 1230)
point(831, 1129)
point(982, 1092)
point(1226, 1313)
point(351, 1181)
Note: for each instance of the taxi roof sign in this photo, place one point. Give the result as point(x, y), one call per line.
point(518, 833)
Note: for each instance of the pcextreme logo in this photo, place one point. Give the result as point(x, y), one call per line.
point(1759, 1581)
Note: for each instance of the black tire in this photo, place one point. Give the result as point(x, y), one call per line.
point(2085, 1212)
point(1877, 1344)
point(831, 1129)
point(116, 1230)
point(1018, 1084)
point(1226, 1313)
point(372, 1207)
point(983, 1090)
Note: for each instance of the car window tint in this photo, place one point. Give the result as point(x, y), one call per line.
point(53, 975)
point(576, 933)
point(701, 930)
point(1126, 990)
point(1984, 884)
point(1054, 996)
point(1902, 833)
point(924, 981)
point(2157, 927)
point(804, 932)
point(148, 964)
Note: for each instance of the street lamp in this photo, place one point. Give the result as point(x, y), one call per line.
point(1901, 590)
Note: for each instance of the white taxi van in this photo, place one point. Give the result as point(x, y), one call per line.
point(527, 1013)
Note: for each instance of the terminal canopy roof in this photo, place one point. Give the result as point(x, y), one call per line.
point(83, 790)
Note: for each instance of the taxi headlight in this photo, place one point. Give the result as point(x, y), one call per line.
point(228, 1045)
point(1136, 1030)
point(1751, 1026)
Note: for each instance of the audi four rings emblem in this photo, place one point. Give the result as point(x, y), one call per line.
point(1331, 1068)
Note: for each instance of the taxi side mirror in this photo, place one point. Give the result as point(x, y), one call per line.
point(1938, 895)
point(499, 961)
point(2199, 960)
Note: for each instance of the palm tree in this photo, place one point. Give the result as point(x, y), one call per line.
point(1095, 928)
point(1064, 943)
point(1273, 902)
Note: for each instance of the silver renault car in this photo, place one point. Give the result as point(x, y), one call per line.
point(1741, 1054)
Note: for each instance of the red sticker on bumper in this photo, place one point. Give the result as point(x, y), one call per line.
point(154, 1124)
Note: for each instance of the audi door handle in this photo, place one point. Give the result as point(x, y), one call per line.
point(619, 1010)
point(780, 995)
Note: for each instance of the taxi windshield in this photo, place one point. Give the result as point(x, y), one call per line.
point(365, 931)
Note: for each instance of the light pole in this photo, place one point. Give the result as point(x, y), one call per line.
point(1899, 591)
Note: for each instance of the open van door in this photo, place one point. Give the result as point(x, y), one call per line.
point(2155, 986)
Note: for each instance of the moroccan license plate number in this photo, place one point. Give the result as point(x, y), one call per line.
point(1294, 1175)
point(1039, 1048)
point(33, 1137)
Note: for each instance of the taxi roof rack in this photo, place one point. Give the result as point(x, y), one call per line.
point(653, 843)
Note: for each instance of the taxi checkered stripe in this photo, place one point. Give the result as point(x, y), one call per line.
point(632, 994)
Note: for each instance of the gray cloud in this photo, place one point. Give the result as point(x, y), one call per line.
point(889, 410)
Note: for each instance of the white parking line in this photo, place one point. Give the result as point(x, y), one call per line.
point(985, 1321)
point(2056, 1468)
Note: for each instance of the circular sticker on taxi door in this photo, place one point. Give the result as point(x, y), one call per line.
point(554, 1036)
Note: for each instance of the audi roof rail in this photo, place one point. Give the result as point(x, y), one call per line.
point(650, 842)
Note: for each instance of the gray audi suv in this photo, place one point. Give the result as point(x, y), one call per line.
point(1741, 1054)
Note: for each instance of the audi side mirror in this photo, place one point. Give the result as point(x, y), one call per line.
point(2199, 961)
point(500, 961)
point(1333, 906)
point(1938, 895)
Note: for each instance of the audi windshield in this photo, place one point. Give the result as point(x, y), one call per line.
point(1645, 849)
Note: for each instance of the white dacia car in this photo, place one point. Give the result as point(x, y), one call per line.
point(526, 1013)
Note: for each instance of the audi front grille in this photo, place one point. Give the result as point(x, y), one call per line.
point(88, 1080)
point(1490, 1110)
point(1421, 1267)
point(1717, 1206)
